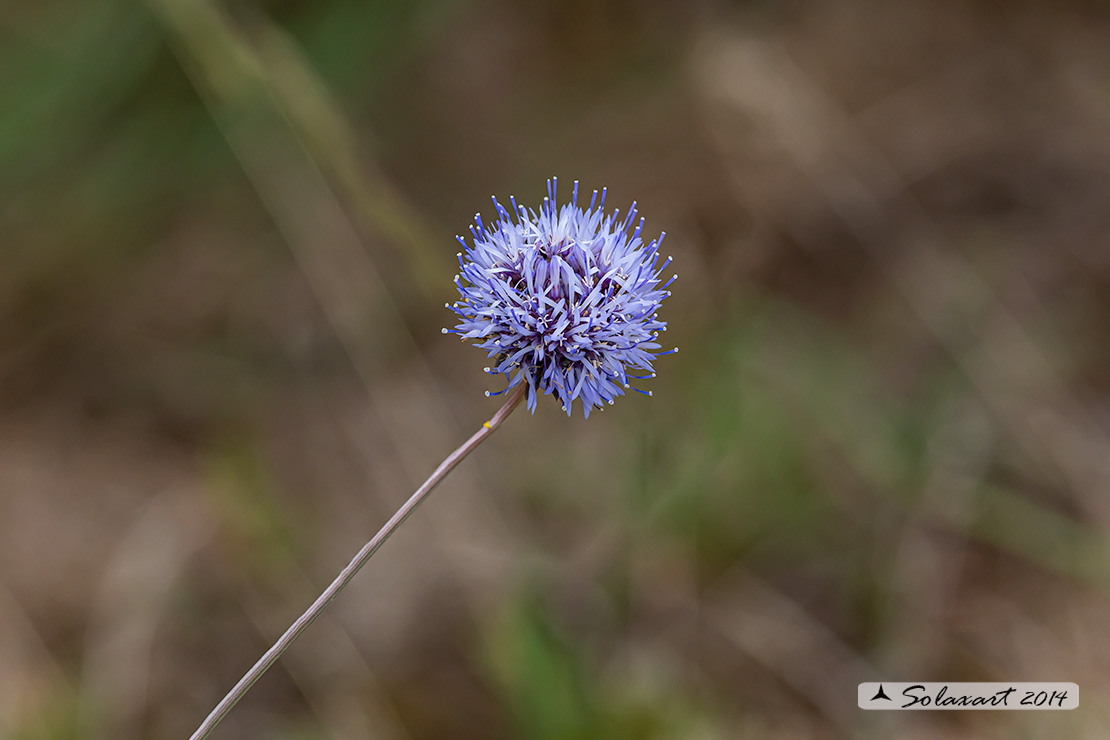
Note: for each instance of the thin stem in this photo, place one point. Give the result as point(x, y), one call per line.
point(271, 656)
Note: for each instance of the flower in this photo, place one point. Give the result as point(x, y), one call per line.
point(565, 299)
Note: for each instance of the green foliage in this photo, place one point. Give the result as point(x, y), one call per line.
point(58, 718)
point(556, 689)
point(355, 44)
point(771, 410)
point(255, 521)
point(64, 93)
point(543, 681)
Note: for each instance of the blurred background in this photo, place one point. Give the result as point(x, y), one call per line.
point(882, 453)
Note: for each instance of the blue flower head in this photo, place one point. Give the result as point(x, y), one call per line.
point(564, 300)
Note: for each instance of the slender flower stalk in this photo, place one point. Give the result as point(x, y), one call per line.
point(564, 300)
point(309, 616)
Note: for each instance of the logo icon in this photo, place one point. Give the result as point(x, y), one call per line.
point(881, 695)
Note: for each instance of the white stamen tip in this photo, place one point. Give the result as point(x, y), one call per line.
point(651, 393)
point(653, 375)
point(626, 385)
point(485, 369)
point(487, 394)
point(444, 330)
point(676, 349)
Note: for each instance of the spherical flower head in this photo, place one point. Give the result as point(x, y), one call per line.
point(564, 300)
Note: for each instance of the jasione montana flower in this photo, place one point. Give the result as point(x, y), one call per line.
point(564, 300)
